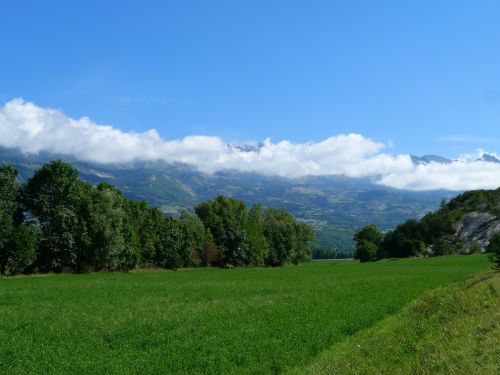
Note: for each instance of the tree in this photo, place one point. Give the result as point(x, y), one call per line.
point(369, 233)
point(54, 196)
point(257, 241)
point(169, 247)
point(106, 230)
point(194, 238)
point(149, 235)
point(441, 246)
point(279, 231)
point(302, 244)
point(210, 254)
point(494, 249)
point(18, 241)
point(366, 251)
point(22, 248)
point(368, 244)
point(9, 191)
point(225, 218)
point(320, 252)
point(405, 241)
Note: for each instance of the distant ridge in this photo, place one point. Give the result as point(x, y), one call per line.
point(489, 158)
point(426, 159)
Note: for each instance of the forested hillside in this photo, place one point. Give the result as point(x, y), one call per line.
point(57, 222)
point(468, 223)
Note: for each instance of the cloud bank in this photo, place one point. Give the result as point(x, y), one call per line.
point(33, 129)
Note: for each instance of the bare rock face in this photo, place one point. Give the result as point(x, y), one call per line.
point(475, 230)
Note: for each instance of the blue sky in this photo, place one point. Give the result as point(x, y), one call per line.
point(424, 75)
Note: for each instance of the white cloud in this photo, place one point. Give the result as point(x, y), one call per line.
point(33, 129)
point(458, 175)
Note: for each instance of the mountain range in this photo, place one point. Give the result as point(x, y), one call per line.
point(426, 159)
point(334, 205)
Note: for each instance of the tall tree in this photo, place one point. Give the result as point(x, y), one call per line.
point(225, 218)
point(279, 231)
point(170, 244)
point(368, 243)
point(9, 191)
point(303, 239)
point(258, 245)
point(194, 235)
point(494, 249)
point(54, 196)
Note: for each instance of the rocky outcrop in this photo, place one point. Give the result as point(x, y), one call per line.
point(475, 230)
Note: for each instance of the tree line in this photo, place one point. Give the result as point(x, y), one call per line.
point(433, 234)
point(57, 222)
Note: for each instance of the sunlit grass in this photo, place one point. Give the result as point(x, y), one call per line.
point(452, 330)
point(216, 321)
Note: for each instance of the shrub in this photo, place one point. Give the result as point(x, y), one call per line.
point(494, 248)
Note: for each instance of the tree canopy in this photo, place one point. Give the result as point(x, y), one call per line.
point(56, 222)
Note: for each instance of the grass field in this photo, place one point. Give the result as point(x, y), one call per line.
point(452, 330)
point(206, 320)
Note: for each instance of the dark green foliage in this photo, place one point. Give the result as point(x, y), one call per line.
point(494, 249)
point(476, 200)
point(442, 246)
point(258, 245)
point(209, 255)
point(368, 244)
point(369, 233)
point(323, 253)
point(18, 240)
point(79, 227)
point(366, 251)
point(9, 190)
point(279, 231)
point(107, 229)
point(194, 237)
point(22, 248)
point(225, 218)
point(255, 237)
point(405, 241)
point(440, 224)
point(54, 196)
point(170, 252)
point(433, 234)
point(303, 237)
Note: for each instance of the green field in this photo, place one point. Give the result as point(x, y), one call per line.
point(452, 330)
point(259, 320)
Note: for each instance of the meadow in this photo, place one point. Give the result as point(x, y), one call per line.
point(242, 320)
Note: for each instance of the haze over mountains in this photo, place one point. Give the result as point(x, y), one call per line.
point(33, 129)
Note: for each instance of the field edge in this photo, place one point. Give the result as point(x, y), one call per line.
point(453, 329)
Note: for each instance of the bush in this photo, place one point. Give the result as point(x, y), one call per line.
point(366, 251)
point(494, 248)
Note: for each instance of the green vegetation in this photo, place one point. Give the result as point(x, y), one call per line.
point(435, 233)
point(494, 249)
point(57, 222)
point(242, 320)
point(452, 330)
point(333, 205)
point(368, 241)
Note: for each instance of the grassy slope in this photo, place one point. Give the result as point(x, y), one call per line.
point(452, 330)
point(207, 320)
